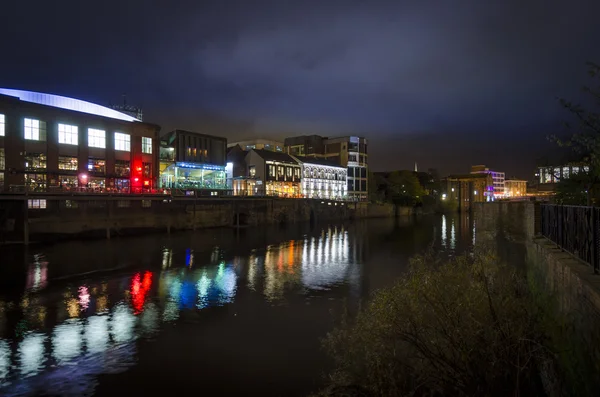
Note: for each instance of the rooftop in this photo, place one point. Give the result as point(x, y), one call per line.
point(280, 157)
point(67, 103)
point(317, 161)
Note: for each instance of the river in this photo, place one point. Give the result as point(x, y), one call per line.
point(219, 312)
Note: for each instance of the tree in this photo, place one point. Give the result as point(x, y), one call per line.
point(584, 141)
point(405, 188)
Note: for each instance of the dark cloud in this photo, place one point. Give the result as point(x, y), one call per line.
point(445, 80)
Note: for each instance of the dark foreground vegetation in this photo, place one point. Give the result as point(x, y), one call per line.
point(470, 326)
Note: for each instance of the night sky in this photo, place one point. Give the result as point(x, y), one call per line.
point(446, 83)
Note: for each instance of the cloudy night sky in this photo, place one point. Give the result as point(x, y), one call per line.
point(444, 83)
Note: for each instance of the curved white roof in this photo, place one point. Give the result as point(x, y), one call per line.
point(64, 102)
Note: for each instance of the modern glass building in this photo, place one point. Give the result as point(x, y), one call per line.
point(194, 176)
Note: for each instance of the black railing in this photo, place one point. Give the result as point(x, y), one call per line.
point(574, 229)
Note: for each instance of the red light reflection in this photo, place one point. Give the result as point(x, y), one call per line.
point(139, 291)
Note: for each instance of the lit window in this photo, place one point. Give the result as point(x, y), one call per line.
point(97, 166)
point(146, 203)
point(252, 171)
point(123, 204)
point(35, 161)
point(146, 145)
point(67, 163)
point(71, 204)
point(2, 125)
point(68, 134)
point(122, 168)
point(36, 204)
point(122, 142)
point(35, 130)
point(96, 138)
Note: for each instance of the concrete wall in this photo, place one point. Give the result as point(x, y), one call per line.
point(565, 281)
point(103, 216)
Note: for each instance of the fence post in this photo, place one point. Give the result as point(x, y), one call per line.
point(594, 241)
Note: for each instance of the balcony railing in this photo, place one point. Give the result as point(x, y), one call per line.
point(575, 229)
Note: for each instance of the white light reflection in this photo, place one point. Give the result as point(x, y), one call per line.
point(226, 281)
point(66, 340)
point(203, 285)
point(252, 272)
point(31, 354)
point(453, 236)
point(37, 273)
point(473, 233)
point(84, 297)
point(167, 259)
point(96, 334)
point(4, 360)
point(122, 323)
point(330, 268)
point(444, 231)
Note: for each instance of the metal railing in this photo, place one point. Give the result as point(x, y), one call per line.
point(574, 229)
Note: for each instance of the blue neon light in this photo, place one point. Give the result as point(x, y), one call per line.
point(201, 166)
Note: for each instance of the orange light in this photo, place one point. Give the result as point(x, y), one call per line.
point(139, 169)
point(146, 183)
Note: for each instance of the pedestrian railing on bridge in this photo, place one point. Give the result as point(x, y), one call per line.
point(575, 229)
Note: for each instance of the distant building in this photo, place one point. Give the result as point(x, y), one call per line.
point(468, 189)
point(347, 151)
point(515, 188)
point(194, 161)
point(306, 145)
point(497, 177)
point(270, 173)
point(261, 144)
point(52, 142)
point(322, 178)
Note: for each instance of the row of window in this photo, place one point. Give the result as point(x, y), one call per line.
point(35, 130)
point(38, 161)
point(41, 204)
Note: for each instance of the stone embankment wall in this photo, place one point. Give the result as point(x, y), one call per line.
point(571, 284)
point(109, 216)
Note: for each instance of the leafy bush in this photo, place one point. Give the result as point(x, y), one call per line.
point(463, 327)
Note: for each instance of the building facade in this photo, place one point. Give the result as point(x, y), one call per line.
point(497, 177)
point(322, 179)
point(55, 143)
point(261, 144)
point(515, 188)
point(351, 152)
point(305, 145)
point(271, 174)
point(194, 161)
point(468, 189)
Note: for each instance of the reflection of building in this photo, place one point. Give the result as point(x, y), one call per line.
point(322, 178)
point(515, 188)
point(262, 144)
point(54, 142)
point(468, 189)
point(497, 178)
point(273, 173)
point(348, 151)
point(190, 160)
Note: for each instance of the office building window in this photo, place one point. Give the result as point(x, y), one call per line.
point(280, 170)
point(146, 145)
point(272, 170)
point(122, 142)
point(67, 163)
point(68, 134)
point(96, 138)
point(289, 171)
point(122, 168)
point(97, 166)
point(35, 130)
point(2, 125)
point(2, 159)
point(36, 204)
point(352, 157)
point(252, 171)
point(35, 161)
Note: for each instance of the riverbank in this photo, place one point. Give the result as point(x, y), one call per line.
point(59, 217)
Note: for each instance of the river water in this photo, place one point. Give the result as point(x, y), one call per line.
point(218, 312)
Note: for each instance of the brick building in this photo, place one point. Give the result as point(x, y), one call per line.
point(50, 142)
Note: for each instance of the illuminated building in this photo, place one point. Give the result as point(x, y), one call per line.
point(51, 142)
point(261, 144)
point(322, 178)
point(272, 174)
point(189, 160)
point(468, 189)
point(515, 188)
point(497, 178)
point(347, 151)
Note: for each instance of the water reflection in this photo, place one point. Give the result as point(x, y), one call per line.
point(94, 323)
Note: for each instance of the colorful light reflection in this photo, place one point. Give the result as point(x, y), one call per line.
point(139, 291)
